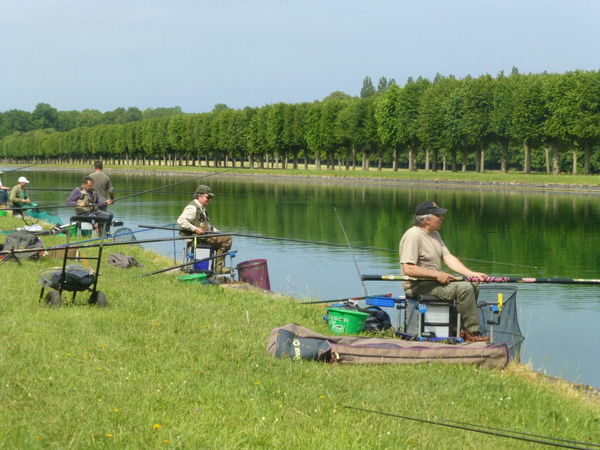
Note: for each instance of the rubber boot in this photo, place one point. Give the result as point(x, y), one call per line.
point(221, 268)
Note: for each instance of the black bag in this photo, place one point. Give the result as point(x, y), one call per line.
point(20, 240)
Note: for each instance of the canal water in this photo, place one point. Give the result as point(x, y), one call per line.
point(501, 232)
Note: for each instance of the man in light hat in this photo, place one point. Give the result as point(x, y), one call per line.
point(19, 197)
point(194, 221)
point(3, 192)
point(421, 254)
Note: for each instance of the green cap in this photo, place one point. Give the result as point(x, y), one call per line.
point(202, 189)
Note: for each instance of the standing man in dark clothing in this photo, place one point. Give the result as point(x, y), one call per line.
point(102, 184)
point(3, 192)
point(87, 203)
point(194, 221)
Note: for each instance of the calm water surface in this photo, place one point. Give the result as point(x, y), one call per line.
point(499, 232)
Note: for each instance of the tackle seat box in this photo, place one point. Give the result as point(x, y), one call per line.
point(440, 317)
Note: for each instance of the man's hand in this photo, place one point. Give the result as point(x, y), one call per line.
point(109, 202)
point(80, 203)
point(199, 230)
point(26, 201)
point(444, 278)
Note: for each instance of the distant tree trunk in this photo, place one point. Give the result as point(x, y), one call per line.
point(527, 159)
point(586, 157)
point(251, 161)
point(295, 155)
point(464, 160)
point(347, 159)
point(427, 160)
point(504, 163)
point(379, 159)
point(555, 160)
point(366, 163)
point(444, 162)
point(318, 160)
point(454, 161)
point(353, 158)
point(547, 158)
point(574, 152)
point(435, 160)
point(482, 156)
point(412, 159)
point(395, 159)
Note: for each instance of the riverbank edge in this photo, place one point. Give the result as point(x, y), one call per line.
point(343, 178)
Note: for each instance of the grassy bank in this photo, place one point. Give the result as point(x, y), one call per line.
point(173, 365)
point(513, 179)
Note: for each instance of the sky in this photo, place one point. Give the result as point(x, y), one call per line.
point(104, 54)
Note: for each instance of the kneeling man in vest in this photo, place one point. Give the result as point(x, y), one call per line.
point(194, 220)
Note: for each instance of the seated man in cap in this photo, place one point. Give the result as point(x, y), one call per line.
point(421, 254)
point(194, 221)
point(19, 197)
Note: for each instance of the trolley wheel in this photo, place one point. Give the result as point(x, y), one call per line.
point(53, 299)
point(98, 298)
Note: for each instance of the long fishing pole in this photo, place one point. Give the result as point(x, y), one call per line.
point(175, 184)
point(330, 244)
point(352, 253)
point(343, 299)
point(21, 168)
point(486, 280)
point(132, 195)
point(188, 263)
point(547, 440)
point(87, 246)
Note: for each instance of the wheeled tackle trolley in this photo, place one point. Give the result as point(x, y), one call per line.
point(74, 278)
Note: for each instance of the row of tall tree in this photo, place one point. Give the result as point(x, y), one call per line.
point(45, 116)
point(529, 122)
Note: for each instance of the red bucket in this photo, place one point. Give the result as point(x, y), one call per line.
point(255, 272)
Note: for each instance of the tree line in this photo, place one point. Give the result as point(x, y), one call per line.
point(529, 122)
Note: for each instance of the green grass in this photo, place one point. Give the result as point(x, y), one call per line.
point(174, 365)
point(513, 178)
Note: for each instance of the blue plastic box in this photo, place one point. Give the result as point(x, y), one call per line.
point(386, 302)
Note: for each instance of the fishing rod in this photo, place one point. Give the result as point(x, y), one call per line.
point(349, 299)
point(129, 196)
point(175, 184)
point(330, 244)
point(88, 246)
point(352, 253)
point(233, 252)
point(547, 440)
point(487, 279)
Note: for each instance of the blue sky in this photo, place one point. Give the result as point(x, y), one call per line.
point(102, 54)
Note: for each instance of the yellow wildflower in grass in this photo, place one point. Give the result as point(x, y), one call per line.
point(157, 426)
point(38, 438)
point(108, 435)
point(68, 354)
point(116, 410)
point(99, 399)
point(165, 441)
point(256, 383)
point(321, 396)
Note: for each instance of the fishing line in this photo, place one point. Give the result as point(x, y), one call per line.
point(352, 253)
point(21, 168)
point(514, 434)
point(486, 280)
point(331, 244)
